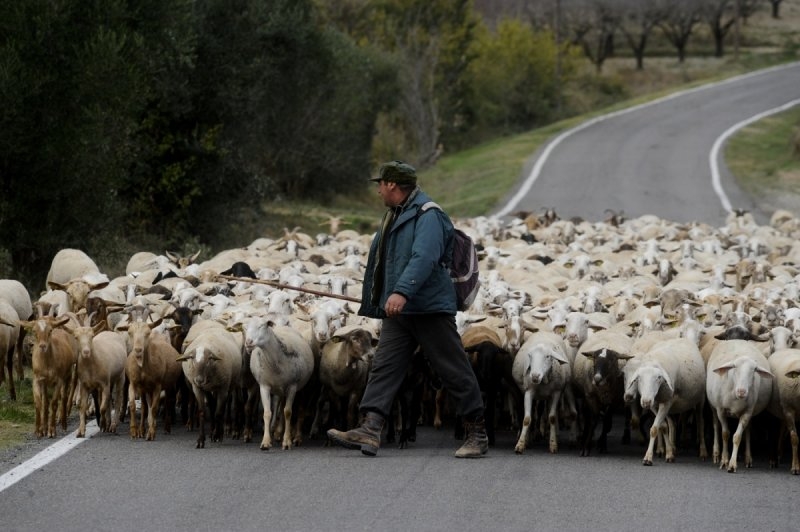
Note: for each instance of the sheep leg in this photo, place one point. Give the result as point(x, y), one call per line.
point(701, 431)
point(9, 366)
point(133, 429)
point(663, 408)
point(218, 419)
point(117, 389)
point(69, 395)
point(552, 418)
point(39, 406)
point(83, 393)
point(572, 412)
point(670, 441)
point(18, 350)
point(249, 412)
point(318, 412)
point(789, 422)
point(277, 421)
point(200, 400)
point(53, 411)
point(352, 412)
point(715, 454)
point(155, 397)
point(266, 403)
point(287, 416)
point(744, 419)
point(526, 423)
point(105, 401)
point(748, 456)
point(64, 407)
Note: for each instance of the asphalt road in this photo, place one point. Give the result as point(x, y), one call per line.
point(652, 160)
point(110, 482)
point(655, 158)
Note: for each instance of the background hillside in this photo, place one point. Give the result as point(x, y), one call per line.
point(203, 125)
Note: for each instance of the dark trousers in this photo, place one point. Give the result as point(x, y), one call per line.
point(439, 339)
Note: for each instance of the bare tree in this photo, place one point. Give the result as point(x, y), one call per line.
point(720, 15)
point(776, 8)
point(639, 19)
point(591, 24)
point(678, 24)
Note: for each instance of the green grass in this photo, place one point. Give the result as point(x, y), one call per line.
point(17, 418)
point(764, 157)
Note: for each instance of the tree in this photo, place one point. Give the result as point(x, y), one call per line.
point(76, 78)
point(638, 22)
point(592, 24)
point(514, 86)
point(724, 15)
point(678, 24)
point(429, 41)
point(776, 8)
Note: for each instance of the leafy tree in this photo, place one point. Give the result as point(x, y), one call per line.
point(75, 77)
point(513, 76)
point(429, 41)
point(278, 107)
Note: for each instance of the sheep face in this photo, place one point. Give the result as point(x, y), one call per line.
point(742, 374)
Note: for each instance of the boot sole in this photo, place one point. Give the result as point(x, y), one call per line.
point(368, 450)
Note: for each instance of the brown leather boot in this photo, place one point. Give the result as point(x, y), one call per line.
point(366, 437)
point(476, 443)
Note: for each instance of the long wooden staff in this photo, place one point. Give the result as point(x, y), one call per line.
point(289, 287)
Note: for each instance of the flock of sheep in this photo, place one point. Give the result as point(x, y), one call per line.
point(575, 322)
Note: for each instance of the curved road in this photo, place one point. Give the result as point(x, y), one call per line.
point(655, 158)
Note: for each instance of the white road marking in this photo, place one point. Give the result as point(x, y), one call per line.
point(45, 456)
point(540, 162)
point(713, 157)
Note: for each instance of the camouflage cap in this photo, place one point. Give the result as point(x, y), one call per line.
point(397, 172)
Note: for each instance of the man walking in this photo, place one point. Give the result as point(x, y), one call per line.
point(408, 286)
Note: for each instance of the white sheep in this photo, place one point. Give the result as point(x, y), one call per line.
point(541, 370)
point(16, 295)
point(670, 378)
point(736, 386)
point(785, 401)
point(282, 362)
point(9, 337)
point(212, 364)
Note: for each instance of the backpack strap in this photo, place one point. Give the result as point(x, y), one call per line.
point(428, 205)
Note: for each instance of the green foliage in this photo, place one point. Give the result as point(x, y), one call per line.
point(514, 76)
point(74, 81)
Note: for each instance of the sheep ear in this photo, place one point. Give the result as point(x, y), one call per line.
point(590, 354)
point(186, 356)
point(21, 323)
point(559, 356)
point(764, 372)
point(56, 286)
point(722, 370)
point(668, 380)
